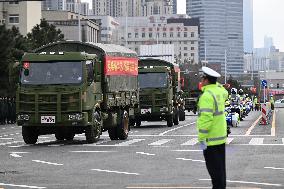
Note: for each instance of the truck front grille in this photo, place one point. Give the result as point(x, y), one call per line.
point(49, 103)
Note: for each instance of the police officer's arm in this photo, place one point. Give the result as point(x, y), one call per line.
point(205, 119)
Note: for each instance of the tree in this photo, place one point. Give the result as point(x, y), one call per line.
point(13, 45)
point(43, 34)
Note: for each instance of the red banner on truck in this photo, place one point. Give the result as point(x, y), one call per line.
point(121, 66)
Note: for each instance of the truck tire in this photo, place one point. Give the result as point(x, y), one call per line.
point(138, 122)
point(170, 120)
point(30, 134)
point(59, 135)
point(90, 134)
point(123, 126)
point(181, 114)
point(93, 132)
point(112, 133)
point(69, 135)
point(176, 117)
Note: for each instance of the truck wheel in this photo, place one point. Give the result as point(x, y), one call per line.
point(138, 122)
point(170, 120)
point(59, 135)
point(30, 134)
point(123, 126)
point(181, 115)
point(112, 133)
point(90, 134)
point(69, 135)
point(176, 118)
point(93, 132)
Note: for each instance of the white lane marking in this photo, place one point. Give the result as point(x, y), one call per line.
point(160, 142)
point(276, 168)
point(252, 126)
point(17, 133)
point(7, 138)
point(11, 134)
point(194, 160)
point(187, 150)
point(92, 151)
point(229, 140)
point(119, 172)
point(15, 155)
point(43, 137)
point(165, 187)
point(246, 182)
point(191, 142)
point(5, 135)
point(22, 186)
point(12, 127)
point(143, 153)
point(283, 140)
point(127, 143)
point(46, 162)
point(256, 141)
point(163, 133)
point(14, 142)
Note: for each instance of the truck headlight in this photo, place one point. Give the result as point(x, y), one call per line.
point(23, 117)
point(77, 116)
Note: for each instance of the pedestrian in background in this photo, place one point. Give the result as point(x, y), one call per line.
point(212, 127)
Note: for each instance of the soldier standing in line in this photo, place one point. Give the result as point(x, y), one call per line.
point(1, 111)
point(13, 110)
point(5, 110)
point(9, 110)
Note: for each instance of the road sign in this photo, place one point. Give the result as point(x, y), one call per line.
point(264, 83)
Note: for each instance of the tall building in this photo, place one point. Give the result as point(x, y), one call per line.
point(178, 30)
point(174, 6)
point(53, 5)
point(268, 42)
point(123, 8)
point(248, 25)
point(221, 33)
point(23, 15)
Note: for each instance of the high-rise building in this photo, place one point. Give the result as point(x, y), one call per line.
point(122, 8)
point(221, 33)
point(248, 25)
point(174, 6)
point(268, 42)
point(53, 5)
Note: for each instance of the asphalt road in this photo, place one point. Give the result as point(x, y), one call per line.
point(154, 156)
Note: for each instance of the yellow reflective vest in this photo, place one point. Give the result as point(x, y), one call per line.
point(271, 100)
point(211, 122)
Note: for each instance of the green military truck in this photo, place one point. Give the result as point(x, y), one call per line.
point(191, 91)
point(69, 88)
point(158, 95)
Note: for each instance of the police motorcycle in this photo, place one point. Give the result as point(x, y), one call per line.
point(236, 103)
point(232, 116)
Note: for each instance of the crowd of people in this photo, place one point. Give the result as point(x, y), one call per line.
point(7, 110)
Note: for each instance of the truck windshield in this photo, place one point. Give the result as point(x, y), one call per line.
point(46, 73)
point(152, 80)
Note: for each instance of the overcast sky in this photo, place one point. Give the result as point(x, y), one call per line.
point(268, 20)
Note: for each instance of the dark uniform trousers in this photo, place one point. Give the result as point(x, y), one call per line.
point(216, 165)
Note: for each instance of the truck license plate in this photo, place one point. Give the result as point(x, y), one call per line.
point(47, 119)
point(144, 111)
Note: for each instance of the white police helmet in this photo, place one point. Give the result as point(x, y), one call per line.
point(210, 72)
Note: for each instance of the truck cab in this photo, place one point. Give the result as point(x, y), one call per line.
point(158, 94)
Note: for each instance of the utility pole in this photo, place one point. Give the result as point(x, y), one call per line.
point(79, 22)
point(225, 66)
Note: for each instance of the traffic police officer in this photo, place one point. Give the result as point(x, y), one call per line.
point(212, 127)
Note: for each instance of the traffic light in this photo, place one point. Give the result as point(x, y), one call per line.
point(277, 85)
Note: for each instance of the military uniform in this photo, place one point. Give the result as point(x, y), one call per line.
point(212, 129)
